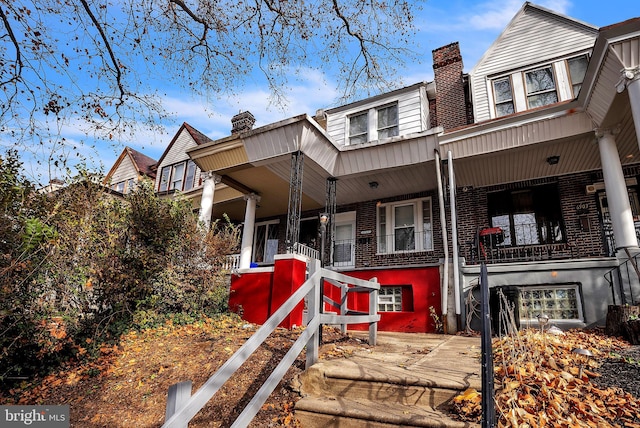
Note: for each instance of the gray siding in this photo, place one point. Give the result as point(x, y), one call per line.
point(411, 115)
point(533, 37)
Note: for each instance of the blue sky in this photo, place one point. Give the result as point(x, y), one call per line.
point(474, 24)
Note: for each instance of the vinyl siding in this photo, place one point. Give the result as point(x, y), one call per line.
point(534, 37)
point(126, 171)
point(178, 153)
point(412, 115)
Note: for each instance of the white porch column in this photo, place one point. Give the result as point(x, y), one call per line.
point(248, 230)
point(616, 188)
point(631, 81)
point(206, 201)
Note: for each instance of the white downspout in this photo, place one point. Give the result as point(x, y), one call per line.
point(454, 238)
point(444, 289)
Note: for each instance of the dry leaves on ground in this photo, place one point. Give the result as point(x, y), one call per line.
point(540, 382)
point(128, 385)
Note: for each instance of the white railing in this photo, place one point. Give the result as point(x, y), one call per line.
point(305, 251)
point(182, 406)
point(231, 262)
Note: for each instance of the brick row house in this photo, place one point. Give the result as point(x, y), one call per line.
point(528, 163)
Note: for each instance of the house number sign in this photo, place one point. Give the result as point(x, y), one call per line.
point(582, 208)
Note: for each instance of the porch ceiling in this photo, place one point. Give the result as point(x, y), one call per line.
point(577, 153)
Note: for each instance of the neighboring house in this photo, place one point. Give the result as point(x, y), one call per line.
point(534, 155)
point(130, 168)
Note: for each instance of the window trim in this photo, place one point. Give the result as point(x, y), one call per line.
point(510, 101)
point(167, 183)
point(372, 130)
point(266, 223)
point(576, 286)
point(396, 124)
point(527, 95)
point(388, 237)
point(351, 136)
point(570, 78)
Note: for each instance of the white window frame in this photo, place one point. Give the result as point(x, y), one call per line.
point(346, 219)
point(386, 237)
point(530, 315)
point(390, 299)
point(268, 257)
point(372, 123)
point(570, 77)
point(165, 178)
point(545, 91)
point(496, 103)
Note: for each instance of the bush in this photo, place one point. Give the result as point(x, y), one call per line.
point(80, 263)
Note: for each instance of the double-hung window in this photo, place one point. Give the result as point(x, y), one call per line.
point(376, 123)
point(265, 242)
point(503, 96)
point(541, 87)
point(387, 121)
point(405, 226)
point(359, 128)
point(577, 69)
point(179, 176)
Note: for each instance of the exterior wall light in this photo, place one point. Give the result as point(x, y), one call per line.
point(373, 184)
point(553, 160)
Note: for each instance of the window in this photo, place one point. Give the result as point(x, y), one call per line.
point(577, 69)
point(374, 124)
point(180, 176)
point(191, 175)
point(358, 128)
point(559, 303)
point(390, 299)
point(388, 121)
point(265, 242)
point(405, 226)
point(119, 187)
point(503, 96)
point(541, 87)
point(164, 178)
point(527, 216)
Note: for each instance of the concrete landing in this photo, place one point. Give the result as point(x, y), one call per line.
point(408, 379)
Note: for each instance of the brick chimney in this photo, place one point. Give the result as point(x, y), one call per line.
point(242, 121)
point(451, 104)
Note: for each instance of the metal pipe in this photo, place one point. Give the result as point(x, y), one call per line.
point(454, 238)
point(444, 288)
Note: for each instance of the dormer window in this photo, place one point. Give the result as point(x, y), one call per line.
point(388, 121)
point(541, 87)
point(358, 128)
point(374, 124)
point(577, 69)
point(503, 96)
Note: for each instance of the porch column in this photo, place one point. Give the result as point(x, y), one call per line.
point(617, 196)
point(248, 230)
point(631, 81)
point(206, 201)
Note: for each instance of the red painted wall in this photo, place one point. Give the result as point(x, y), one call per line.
point(258, 295)
point(421, 290)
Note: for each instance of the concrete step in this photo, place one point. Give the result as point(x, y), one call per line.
point(407, 380)
point(357, 413)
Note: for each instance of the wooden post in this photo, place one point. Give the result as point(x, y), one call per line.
point(373, 310)
point(314, 301)
point(179, 394)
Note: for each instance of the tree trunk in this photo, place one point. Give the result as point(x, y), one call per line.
point(632, 331)
point(617, 316)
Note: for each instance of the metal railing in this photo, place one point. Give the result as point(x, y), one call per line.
point(182, 406)
point(526, 253)
point(624, 278)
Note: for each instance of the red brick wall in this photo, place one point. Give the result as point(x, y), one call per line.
point(451, 106)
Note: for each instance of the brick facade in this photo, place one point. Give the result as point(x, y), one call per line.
point(451, 101)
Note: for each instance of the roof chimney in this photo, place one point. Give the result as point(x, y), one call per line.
point(242, 122)
point(451, 106)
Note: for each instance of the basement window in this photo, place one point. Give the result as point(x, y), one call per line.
point(559, 303)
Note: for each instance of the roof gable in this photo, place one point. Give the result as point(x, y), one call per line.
point(196, 137)
point(130, 157)
point(533, 35)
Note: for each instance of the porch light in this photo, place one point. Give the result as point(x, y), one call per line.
point(553, 160)
point(373, 184)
